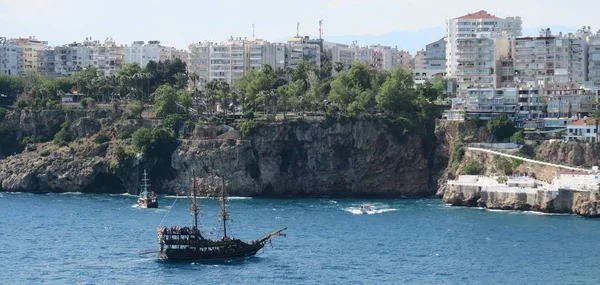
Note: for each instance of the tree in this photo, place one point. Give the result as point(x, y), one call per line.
point(428, 91)
point(338, 67)
point(165, 101)
point(518, 137)
point(343, 91)
point(397, 95)
point(501, 127)
point(135, 109)
point(597, 122)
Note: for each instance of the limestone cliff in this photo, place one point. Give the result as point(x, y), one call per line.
point(326, 158)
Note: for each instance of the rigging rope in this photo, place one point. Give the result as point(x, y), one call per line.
point(169, 211)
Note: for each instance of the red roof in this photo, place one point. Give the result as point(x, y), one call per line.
point(478, 15)
point(583, 122)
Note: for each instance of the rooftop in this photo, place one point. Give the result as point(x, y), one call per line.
point(478, 15)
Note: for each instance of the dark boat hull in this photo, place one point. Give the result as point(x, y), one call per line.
point(147, 203)
point(238, 252)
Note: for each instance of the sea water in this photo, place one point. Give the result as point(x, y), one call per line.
point(95, 239)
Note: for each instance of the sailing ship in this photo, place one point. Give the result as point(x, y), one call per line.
point(147, 199)
point(189, 244)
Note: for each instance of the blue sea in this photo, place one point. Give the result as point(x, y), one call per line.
point(95, 239)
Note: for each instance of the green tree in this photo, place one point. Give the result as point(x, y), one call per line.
point(338, 67)
point(397, 95)
point(501, 127)
point(165, 101)
point(135, 109)
point(343, 91)
point(518, 137)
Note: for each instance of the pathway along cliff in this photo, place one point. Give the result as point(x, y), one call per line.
point(333, 157)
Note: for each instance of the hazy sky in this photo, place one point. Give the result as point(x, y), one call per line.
point(180, 22)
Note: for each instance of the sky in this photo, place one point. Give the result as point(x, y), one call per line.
point(407, 24)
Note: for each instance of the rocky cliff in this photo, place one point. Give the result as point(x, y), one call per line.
point(326, 158)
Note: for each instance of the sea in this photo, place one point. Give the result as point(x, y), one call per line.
point(78, 238)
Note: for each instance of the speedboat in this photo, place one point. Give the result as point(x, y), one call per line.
point(366, 208)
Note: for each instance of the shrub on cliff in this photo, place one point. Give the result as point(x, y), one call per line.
point(3, 113)
point(518, 137)
point(87, 103)
point(247, 128)
point(135, 110)
point(156, 143)
point(501, 127)
point(62, 138)
point(101, 138)
point(472, 169)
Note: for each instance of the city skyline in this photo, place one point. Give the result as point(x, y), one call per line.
point(59, 22)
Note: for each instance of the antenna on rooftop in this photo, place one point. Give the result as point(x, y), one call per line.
point(253, 30)
point(321, 29)
point(298, 29)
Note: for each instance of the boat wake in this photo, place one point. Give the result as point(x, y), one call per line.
point(187, 197)
point(373, 210)
point(135, 206)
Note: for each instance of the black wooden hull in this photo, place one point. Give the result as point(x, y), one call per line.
point(225, 252)
point(147, 203)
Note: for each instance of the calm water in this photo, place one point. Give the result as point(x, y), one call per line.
point(85, 239)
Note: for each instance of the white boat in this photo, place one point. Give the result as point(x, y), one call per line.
point(366, 208)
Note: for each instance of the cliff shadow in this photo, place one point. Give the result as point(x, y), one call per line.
point(105, 183)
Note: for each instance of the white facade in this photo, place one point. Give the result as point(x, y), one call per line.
point(583, 130)
point(107, 56)
point(473, 26)
point(477, 58)
point(31, 48)
point(142, 53)
point(594, 59)
point(229, 61)
point(10, 57)
point(560, 60)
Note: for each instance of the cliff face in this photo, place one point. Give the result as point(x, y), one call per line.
point(449, 134)
point(312, 159)
point(340, 158)
point(572, 153)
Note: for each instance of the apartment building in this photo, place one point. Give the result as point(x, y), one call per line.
point(477, 59)
point(531, 104)
point(487, 102)
point(106, 56)
point(475, 26)
point(594, 59)
point(142, 53)
point(31, 47)
point(382, 57)
point(561, 60)
point(229, 61)
point(430, 62)
point(576, 102)
point(583, 130)
point(11, 54)
point(401, 58)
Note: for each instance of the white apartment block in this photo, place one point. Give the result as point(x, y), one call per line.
point(401, 58)
point(430, 62)
point(143, 53)
point(229, 61)
point(107, 56)
point(31, 47)
point(476, 59)
point(382, 57)
point(583, 130)
point(560, 60)
point(11, 54)
point(474, 26)
point(594, 59)
point(571, 102)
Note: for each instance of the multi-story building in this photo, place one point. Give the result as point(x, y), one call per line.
point(229, 61)
point(477, 59)
point(106, 56)
point(475, 26)
point(594, 59)
point(382, 57)
point(531, 104)
point(401, 58)
point(297, 52)
point(485, 103)
point(583, 130)
point(430, 62)
point(31, 47)
point(47, 63)
point(71, 58)
point(577, 103)
point(561, 60)
point(142, 53)
point(11, 54)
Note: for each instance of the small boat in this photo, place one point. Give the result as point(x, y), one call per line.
point(189, 244)
point(366, 208)
point(147, 199)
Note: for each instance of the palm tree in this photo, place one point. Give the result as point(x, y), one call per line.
point(597, 121)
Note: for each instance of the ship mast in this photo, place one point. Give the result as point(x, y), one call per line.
point(224, 215)
point(194, 202)
point(145, 182)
